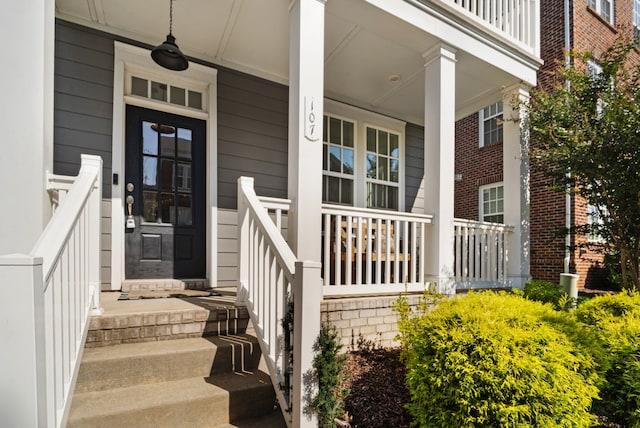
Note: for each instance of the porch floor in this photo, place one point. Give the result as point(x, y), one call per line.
point(112, 306)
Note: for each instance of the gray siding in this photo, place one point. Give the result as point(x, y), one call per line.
point(414, 171)
point(83, 103)
point(252, 136)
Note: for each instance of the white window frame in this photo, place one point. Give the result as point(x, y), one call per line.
point(594, 217)
point(482, 118)
point(363, 118)
point(597, 6)
point(481, 189)
point(340, 175)
point(376, 180)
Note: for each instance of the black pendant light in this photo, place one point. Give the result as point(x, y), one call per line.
point(168, 54)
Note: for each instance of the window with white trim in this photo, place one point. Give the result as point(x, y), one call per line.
point(490, 120)
point(362, 158)
point(594, 69)
point(603, 7)
point(491, 199)
point(338, 160)
point(594, 218)
point(383, 163)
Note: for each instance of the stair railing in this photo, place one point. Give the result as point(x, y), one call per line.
point(277, 289)
point(47, 299)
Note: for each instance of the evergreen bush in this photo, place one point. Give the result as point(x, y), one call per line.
point(616, 322)
point(328, 364)
point(544, 291)
point(495, 360)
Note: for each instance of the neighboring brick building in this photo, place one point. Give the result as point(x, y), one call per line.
point(593, 26)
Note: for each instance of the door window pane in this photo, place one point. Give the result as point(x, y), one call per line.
point(149, 171)
point(184, 210)
point(149, 139)
point(184, 177)
point(150, 206)
point(168, 143)
point(166, 174)
point(167, 208)
point(184, 143)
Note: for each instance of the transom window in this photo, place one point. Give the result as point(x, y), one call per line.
point(383, 162)
point(490, 119)
point(165, 92)
point(603, 7)
point(492, 203)
point(362, 158)
point(338, 160)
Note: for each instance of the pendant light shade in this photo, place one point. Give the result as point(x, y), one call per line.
point(168, 54)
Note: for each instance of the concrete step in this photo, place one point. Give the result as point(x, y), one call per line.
point(272, 420)
point(161, 319)
point(193, 402)
point(132, 364)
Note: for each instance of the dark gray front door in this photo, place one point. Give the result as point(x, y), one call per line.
point(165, 175)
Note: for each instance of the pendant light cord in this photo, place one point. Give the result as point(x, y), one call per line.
point(170, 16)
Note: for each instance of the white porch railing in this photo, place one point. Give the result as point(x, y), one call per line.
point(481, 253)
point(48, 296)
point(519, 19)
point(278, 290)
point(377, 251)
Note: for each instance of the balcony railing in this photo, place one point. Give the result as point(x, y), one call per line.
point(518, 19)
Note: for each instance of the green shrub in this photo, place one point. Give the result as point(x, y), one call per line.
point(545, 292)
point(328, 364)
point(495, 360)
point(616, 322)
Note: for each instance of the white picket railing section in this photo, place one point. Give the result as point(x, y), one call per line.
point(44, 323)
point(481, 252)
point(272, 285)
point(366, 250)
point(519, 19)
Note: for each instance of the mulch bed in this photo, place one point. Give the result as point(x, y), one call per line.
point(376, 378)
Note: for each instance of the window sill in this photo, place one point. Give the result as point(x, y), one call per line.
point(600, 18)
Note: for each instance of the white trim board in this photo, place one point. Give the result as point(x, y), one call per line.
point(126, 59)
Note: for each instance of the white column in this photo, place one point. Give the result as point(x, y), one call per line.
point(516, 181)
point(26, 120)
point(306, 88)
point(439, 163)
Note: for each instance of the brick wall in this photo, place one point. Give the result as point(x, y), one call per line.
point(478, 166)
point(369, 318)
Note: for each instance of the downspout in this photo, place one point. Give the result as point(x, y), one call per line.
point(567, 202)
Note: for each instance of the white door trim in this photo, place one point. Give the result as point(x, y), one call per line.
point(126, 58)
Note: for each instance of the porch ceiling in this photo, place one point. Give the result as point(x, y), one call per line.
point(364, 46)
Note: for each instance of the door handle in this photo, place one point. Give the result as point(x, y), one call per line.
point(131, 223)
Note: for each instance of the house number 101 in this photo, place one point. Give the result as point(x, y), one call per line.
point(311, 126)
